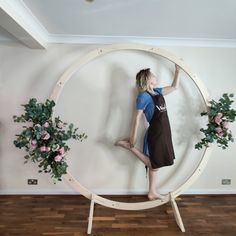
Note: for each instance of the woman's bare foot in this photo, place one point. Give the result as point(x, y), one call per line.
point(123, 143)
point(155, 196)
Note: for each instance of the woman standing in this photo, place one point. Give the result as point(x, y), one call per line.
point(157, 148)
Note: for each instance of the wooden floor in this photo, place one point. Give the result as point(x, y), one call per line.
point(67, 215)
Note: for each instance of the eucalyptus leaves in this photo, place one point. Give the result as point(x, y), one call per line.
point(44, 138)
point(220, 115)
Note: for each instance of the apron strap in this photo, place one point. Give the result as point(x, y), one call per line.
point(151, 97)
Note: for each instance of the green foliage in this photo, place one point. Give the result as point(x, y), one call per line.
point(44, 139)
point(220, 114)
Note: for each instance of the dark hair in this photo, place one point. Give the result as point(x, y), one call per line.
point(142, 79)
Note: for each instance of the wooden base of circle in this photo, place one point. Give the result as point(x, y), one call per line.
point(175, 208)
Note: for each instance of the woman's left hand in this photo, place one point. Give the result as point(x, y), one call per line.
point(177, 68)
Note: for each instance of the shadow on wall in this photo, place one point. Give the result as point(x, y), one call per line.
point(121, 106)
point(48, 68)
point(187, 126)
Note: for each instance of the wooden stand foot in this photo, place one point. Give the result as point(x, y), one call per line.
point(90, 219)
point(178, 218)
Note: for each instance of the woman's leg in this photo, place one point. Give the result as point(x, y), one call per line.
point(125, 144)
point(152, 194)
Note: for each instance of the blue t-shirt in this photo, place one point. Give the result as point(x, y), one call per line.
point(144, 102)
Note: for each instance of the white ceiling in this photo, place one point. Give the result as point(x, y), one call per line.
point(149, 18)
point(71, 20)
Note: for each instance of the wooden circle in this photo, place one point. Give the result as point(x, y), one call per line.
point(202, 89)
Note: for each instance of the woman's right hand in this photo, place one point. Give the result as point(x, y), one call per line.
point(132, 142)
point(129, 140)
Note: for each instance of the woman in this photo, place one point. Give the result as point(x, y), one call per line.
point(157, 149)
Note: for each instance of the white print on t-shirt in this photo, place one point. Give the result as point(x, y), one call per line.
point(161, 108)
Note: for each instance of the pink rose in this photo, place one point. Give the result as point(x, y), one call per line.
point(48, 149)
point(45, 135)
point(219, 114)
point(34, 142)
point(57, 158)
point(217, 120)
point(218, 130)
point(59, 125)
point(46, 125)
point(43, 149)
point(226, 124)
point(61, 151)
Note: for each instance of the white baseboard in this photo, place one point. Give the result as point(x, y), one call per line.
point(209, 191)
point(111, 192)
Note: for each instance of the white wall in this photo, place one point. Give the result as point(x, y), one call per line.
point(99, 99)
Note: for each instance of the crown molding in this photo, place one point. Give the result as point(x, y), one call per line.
point(158, 41)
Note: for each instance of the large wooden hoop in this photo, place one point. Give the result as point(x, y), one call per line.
point(202, 89)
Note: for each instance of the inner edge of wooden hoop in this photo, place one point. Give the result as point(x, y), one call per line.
point(160, 52)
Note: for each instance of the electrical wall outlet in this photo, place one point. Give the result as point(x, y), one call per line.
point(32, 181)
point(226, 181)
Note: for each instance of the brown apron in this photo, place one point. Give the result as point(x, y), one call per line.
point(159, 135)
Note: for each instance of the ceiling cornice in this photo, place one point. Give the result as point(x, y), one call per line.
point(158, 41)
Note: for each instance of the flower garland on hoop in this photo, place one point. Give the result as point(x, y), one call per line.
point(220, 115)
point(44, 139)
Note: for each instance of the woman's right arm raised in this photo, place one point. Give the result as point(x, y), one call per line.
point(135, 125)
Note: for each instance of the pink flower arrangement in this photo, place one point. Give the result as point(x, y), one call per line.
point(44, 139)
point(220, 114)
